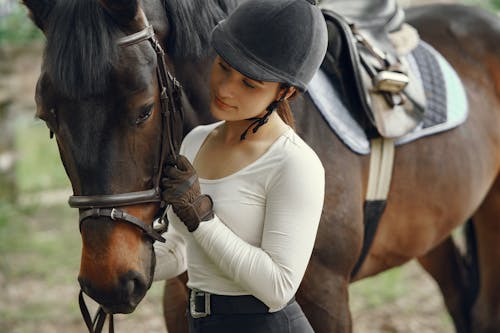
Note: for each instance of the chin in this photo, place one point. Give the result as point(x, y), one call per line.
point(217, 113)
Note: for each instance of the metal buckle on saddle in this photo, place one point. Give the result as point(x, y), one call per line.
point(197, 295)
point(385, 79)
point(390, 82)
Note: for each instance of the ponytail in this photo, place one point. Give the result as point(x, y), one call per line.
point(285, 113)
point(284, 110)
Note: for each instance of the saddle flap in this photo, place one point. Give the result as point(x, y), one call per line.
point(373, 78)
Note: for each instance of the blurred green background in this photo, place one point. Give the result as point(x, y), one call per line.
point(40, 242)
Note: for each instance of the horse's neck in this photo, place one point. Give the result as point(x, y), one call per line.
point(194, 76)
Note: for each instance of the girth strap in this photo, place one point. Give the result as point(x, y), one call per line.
point(118, 214)
point(381, 165)
point(379, 181)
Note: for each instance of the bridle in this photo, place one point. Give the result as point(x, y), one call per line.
point(105, 205)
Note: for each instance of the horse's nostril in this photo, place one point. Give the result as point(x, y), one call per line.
point(130, 287)
point(134, 287)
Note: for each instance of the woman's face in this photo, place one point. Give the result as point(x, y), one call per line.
point(234, 97)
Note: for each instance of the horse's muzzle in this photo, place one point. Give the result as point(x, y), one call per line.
point(124, 298)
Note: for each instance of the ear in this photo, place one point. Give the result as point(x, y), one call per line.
point(39, 11)
point(124, 12)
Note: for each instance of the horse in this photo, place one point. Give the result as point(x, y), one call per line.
point(102, 102)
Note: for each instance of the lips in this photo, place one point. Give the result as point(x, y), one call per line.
point(221, 105)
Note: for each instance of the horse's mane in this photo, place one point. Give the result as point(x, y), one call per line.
point(192, 22)
point(81, 45)
point(81, 48)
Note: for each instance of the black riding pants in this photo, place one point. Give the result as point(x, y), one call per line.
point(290, 319)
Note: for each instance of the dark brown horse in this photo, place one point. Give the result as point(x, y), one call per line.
point(102, 103)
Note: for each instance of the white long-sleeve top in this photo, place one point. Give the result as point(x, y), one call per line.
point(265, 224)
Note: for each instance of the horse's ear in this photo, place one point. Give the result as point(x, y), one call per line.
point(39, 11)
point(124, 12)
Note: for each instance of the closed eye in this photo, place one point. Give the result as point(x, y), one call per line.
point(248, 84)
point(144, 114)
point(224, 67)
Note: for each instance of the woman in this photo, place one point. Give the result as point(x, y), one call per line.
point(246, 228)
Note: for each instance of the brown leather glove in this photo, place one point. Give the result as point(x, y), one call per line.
point(181, 189)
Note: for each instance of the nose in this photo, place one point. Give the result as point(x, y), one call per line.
point(225, 88)
point(121, 298)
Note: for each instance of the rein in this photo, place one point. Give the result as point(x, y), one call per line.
point(104, 205)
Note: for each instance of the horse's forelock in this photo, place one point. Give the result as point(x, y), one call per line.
point(81, 48)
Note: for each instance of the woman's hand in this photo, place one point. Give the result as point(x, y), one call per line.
point(181, 189)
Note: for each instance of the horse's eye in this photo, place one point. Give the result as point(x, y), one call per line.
point(50, 119)
point(144, 114)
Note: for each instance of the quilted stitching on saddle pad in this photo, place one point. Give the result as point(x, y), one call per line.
point(446, 101)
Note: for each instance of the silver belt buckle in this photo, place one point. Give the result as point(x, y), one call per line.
point(192, 303)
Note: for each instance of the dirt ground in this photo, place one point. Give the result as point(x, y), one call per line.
point(417, 308)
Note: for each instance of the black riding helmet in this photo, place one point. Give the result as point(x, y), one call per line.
point(273, 40)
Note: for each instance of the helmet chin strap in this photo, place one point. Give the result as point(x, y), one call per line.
point(257, 122)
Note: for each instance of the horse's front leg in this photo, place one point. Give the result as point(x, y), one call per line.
point(175, 304)
point(324, 300)
point(324, 291)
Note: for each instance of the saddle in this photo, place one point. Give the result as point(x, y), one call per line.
point(372, 76)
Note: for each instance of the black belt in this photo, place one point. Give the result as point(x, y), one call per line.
point(202, 304)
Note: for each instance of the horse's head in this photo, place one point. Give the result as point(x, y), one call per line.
point(100, 93)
